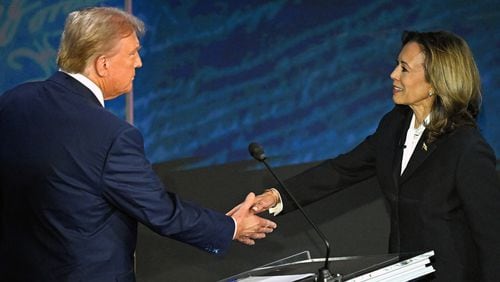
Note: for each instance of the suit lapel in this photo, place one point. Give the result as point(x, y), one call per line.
point(421, 153)
point(398, 152)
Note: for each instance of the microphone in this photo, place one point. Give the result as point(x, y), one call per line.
point(324, 273)
point(401, 143)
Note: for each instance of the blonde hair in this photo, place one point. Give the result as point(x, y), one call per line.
point(452, 72)
point(92, 32)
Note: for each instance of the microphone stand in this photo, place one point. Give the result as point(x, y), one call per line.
point(324, 274)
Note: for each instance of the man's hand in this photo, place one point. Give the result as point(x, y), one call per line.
point(250, 226)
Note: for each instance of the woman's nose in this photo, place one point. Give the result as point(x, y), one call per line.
point(395, 73)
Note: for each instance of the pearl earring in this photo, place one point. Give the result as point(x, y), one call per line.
point(430, 93)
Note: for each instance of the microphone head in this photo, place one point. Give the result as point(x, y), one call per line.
point(256, 151)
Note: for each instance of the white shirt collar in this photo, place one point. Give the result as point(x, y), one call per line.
point(89, 84)
point(420, 129)
point(412, 138)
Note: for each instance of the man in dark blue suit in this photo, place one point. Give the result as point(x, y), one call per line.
point(74, 180)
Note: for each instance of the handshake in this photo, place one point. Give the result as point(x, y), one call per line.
point(250, 226)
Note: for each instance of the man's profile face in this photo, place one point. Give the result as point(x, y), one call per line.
point(121, 66)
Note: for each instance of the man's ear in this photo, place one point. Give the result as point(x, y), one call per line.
point(101, 64)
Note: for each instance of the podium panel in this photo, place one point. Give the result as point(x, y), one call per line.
point(373, 268)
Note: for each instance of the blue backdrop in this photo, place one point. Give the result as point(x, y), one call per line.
point(306, 79)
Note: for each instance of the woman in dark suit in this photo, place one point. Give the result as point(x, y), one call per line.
point(436, 171)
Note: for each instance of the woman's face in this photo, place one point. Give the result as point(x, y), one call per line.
point(409, 85)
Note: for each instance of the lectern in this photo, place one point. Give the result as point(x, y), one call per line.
point(372, 268)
